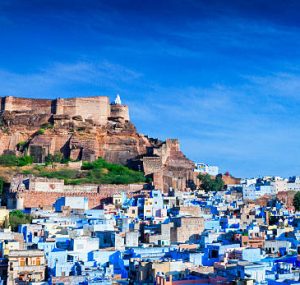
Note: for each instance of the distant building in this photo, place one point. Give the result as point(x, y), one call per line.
point(281, 185)
point(26, 266)
point(205, 168)
point(293, 184)
point(255, 191)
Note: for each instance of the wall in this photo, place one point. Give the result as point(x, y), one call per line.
point(187, 229)
point(46, 185)
point(2, 103)
point(34, 199)
point(95, 194)
point(152, 164)
point(37, 106)
point(95, 108)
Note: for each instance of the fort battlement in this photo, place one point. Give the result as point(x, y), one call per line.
point(98, 108)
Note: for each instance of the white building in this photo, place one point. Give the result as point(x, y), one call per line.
point(205, 168)
point(280, 185)
point(255, 191)
point(293, 184)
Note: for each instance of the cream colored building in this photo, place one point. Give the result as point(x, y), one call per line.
point(4, 217)
point(26, 266)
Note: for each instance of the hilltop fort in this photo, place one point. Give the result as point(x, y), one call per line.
point(97, 110)
point(87, 128)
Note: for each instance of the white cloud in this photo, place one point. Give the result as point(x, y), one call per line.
point(59, 78)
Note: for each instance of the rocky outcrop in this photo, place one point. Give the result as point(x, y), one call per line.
point(115, 142)
point(169, 167)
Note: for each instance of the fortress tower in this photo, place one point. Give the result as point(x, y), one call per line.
point(117, 110)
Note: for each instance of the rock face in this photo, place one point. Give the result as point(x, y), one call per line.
point(169, 166)
point(85, 129)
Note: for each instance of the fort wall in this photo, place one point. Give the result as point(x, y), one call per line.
point(152, 164)
point(93, 108)
point(97, 108)
point(44, 192)
point(42, 199)
point(36, 106)
point(35, 199)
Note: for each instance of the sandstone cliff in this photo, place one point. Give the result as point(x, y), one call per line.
point(116, 141)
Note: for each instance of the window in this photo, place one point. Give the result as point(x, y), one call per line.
point(38, 261)
point(213, 253)
point(22, 261)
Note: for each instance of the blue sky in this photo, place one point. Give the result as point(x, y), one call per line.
point(222, 76)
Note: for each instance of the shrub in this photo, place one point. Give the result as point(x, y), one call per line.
point(57, 157)
point(47, 126)
point(41, 131)
point(17, 218)
point(13, 160)
point(1, 186)
point(116, 174)
point(97, 172)
point(24, 160)
point(59, 174)
point(21, 145)
point(296, 201)
point(209, 184)
point(8, 160)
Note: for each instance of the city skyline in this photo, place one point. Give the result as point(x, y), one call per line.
point(221, 77)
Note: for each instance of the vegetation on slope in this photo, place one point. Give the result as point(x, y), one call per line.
point(13, 160)
point(97, 172)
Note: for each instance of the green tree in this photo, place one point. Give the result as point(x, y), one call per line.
point(210, 184)
point(296, 201)
point(1, 186)
point(17, 218)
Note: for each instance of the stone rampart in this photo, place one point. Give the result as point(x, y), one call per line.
point(152, 164)
point(44, 196)
point(92, 108)
point(35, 106)
point(97, 108)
